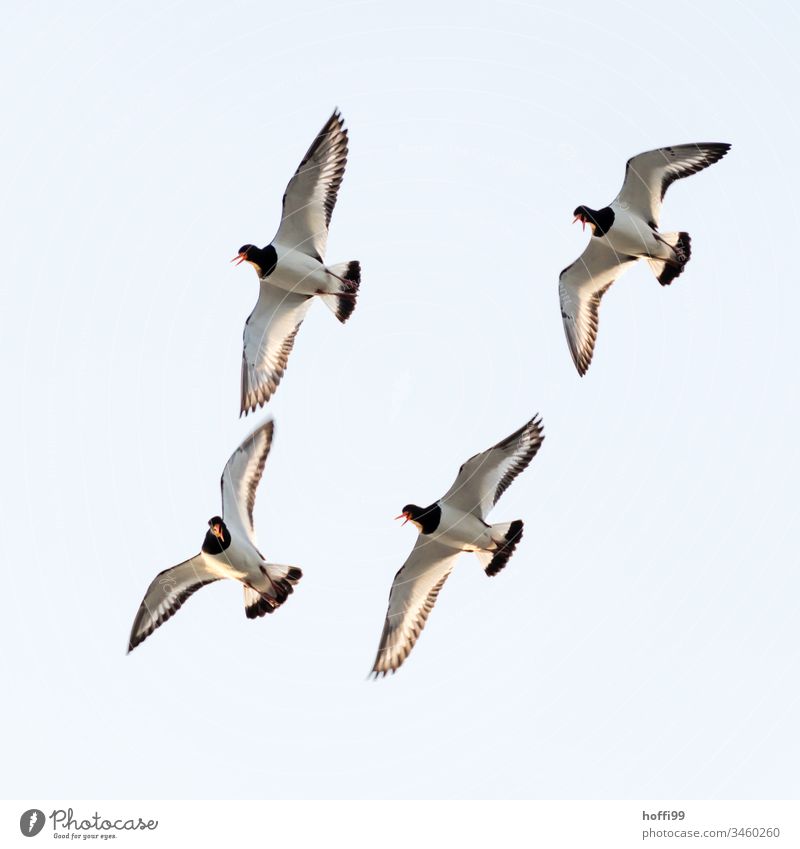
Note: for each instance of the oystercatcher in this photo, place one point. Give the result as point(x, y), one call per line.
point(291, 270)
point(625, 232)
point(228, 550)
point(454, 523)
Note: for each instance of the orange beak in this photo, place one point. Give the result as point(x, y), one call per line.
point(402, 516)
point(239, 258)
point(217, 531)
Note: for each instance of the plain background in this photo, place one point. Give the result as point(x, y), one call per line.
point(643, 641)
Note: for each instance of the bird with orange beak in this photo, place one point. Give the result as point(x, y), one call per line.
point(291, 269)
point(228, 550)
point(454, 524)
point(624, 232)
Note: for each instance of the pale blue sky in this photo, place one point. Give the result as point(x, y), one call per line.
point(644, 640)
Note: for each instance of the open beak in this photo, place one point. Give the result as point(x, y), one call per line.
point(239, 258)
point(217, 531)
point(403, 516)
point(582, 220)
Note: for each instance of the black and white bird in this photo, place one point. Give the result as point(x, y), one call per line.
point(454, 523)
point(228, 551)
point(291, 269)
point(625, 232)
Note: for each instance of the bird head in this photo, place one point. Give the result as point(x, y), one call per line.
point(248, 253)
point(412, 513)
point(217, 526)
point(584, 215)
point(218, 537)
point(581, 214)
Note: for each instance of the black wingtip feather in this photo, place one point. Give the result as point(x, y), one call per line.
point(139, 635)
point(535, 437)
point(711, 152)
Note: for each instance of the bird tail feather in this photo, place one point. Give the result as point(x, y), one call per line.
point(280, 581)
point(666, 272)
point(507, 535)
point(342, 300)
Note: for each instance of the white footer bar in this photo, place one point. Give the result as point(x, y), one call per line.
point(404, 825)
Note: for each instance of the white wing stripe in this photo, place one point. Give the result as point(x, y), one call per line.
point(482, 479)
point(269, 336)
point(311, 193)
point(581, 286)
point(165, 595)
point(241, 477)
point(648, 175)
point(414, 591)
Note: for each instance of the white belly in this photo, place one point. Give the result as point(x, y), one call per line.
point(299, 272)
point(631, 236)
point(462, 531)
point(239, 561)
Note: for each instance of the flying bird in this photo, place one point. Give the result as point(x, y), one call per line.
point(625, 232)
point(454, 523)
point(228, 551)
point(291, 269)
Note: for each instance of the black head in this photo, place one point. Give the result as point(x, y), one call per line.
point(244, 254)
point(218, 537)
point(583, 214)
point(425, 518)
point(263, 260)
point(600, 220)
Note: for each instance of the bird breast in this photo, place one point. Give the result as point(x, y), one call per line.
point(299, 272)
point(461, 530)
point(239, 561)
point(631, 235)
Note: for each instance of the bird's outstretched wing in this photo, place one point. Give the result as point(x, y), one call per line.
point(240, 479)
point(650, 174)
point(486, 476)
point(411, 599)
point(168, 591)
point(311, 193)
point(269, 335)
point(580, 287)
